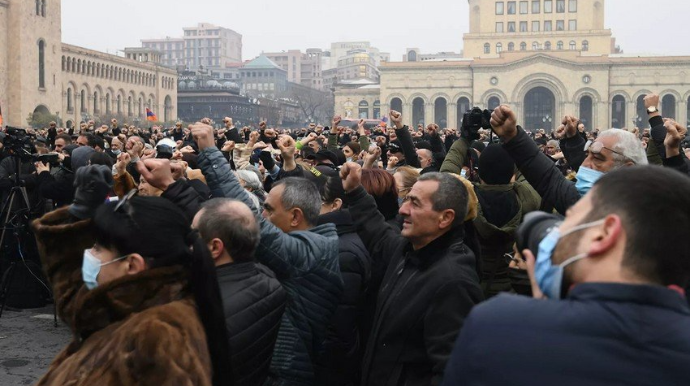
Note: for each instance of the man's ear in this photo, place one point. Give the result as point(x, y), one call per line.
point(297, 217)
point(446, 219)
point(607, 236)
point(337, 204)
point(216, 247)
point(135, 264)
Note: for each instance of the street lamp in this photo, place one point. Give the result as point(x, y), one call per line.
point(547, 118)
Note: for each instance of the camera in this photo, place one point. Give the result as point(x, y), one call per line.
point(49, 159)
point(474, 120)
point(19, 141)
point(534, 227)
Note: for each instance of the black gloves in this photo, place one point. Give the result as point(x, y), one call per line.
point(93, 184)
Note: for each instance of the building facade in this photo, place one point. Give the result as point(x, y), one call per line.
point(172, 50)
point(40, 74)
point(560, 71)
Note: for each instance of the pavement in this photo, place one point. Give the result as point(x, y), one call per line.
point(28, 343)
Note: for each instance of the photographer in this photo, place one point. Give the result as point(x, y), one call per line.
point(622, 271)
point(56, 184)
point(460, 156)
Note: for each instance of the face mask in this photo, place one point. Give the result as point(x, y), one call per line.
point(519, 280)
point(349, 159)
point(91, 267)
point(586, 178)
point(117, 152)
point(550, 277)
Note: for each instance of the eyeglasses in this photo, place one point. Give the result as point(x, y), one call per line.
point(511, 258)
point(597, 147)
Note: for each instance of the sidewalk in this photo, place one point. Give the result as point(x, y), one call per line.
point(28, 343)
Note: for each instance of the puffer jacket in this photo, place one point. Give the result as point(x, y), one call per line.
point(140, 329)
point(253, 304)
point(340, 362)
point(305, 263)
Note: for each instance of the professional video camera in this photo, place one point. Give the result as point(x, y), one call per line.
point(534, 228)
point(473, 120)
point(19, 142)
point(49, 159)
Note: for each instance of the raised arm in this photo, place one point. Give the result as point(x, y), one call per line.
point(405, 140)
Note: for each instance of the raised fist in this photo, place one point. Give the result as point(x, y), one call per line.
point(504, 123)
point(351, 174)
point(651, 100)
point(396, 119)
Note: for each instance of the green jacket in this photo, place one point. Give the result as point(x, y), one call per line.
point(456, 157)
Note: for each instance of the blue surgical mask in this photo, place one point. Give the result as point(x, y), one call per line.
point(586, 178)
point(91, 267)
point(117, 152)
point(550, 277)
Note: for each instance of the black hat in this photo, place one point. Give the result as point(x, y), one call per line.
point(423, 145)
point(395, 147)
point(323, 155)
point(496, 167)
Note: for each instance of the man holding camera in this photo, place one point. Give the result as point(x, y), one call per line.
point(622, 271)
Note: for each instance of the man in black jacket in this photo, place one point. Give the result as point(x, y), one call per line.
point(253, 299)
point(427, 275)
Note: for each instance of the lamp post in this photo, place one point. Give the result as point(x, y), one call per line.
point(547, 119)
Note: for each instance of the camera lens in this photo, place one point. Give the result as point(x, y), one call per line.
point(535, 226)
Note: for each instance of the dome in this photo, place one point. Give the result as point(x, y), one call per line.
point(182, 85)
point(212, 84)
point(191, 84)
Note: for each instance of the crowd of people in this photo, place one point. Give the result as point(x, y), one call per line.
point(333, 255)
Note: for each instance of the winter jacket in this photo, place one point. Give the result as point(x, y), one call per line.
point(305, 263)
point(422, 302)
point(340, 362)
point(501, 210)
point(408, 148)
point(253, 304)
point(456, 157)
point(602, 334)
point(139, 329)
point(57, 186)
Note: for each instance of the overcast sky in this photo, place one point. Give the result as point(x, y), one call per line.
point(640, 26)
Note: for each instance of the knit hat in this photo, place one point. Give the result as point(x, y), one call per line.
point(80, 157)
point(496, 167)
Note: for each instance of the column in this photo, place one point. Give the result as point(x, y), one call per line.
point(428, 114)
point(452, 114)
point(407, 113)
point(630, 113)
point(682, 112)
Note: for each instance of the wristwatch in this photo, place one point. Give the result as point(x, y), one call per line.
point(652, 110)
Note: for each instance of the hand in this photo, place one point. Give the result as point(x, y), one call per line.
point(262, 125)
point(675, 133)
point(360, 127)
point(203, 135)
point(370, 157)
point(206, 121)
point(651, 100)
point(156, 172)
point(228, 146)
point(253, 138)
point(504, 123)
point(287, 146)
point(336, 121)
point(396, 119)
point(41, 167)
point(310, 137)
point(351, 174)
point(259, 145)
point(558, 156)
point(122, 161)
point(93, 183)
point(148, 153)
point(570, 124)
point(560, 132)
point(178, 169)
point(270, 133)
point(392, 161)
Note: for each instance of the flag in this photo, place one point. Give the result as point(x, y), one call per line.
point(384, 121)
point(0, 116)
point(150, 116)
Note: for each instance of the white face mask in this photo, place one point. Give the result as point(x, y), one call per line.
point(91, 267)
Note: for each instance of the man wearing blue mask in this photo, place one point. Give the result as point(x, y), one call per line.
point(612, 149)
point(625, 317)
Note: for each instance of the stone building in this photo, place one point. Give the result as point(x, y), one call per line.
point(39, 73)
point(544, 58)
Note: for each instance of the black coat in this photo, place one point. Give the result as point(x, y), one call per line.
point(253, 304)
point(57, 186)
point(340, 361)
point(422, 302)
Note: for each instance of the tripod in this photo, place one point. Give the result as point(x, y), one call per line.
point(16, 220)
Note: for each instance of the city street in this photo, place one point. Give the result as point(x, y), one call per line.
point(28, 343)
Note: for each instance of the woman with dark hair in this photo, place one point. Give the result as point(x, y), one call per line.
point(143, 308)
point(351, 151)
point(381, 185)
point(340, 361)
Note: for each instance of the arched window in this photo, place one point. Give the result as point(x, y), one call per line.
point(396, 104)
point(418, 111)
point(559, 46)
point(573, 45)
point(363, 109)
point(487, 48)
point(493, 103)
point(535, 46)
point(41, 64)
point(82, 101)
point(499, 48)
point(618, 112)
point(641, 118)
point(585, 45)
point(523, 46)
point(547, 46)
point(63, 63)
point(43, 8)
point(586, 111)
point(38, 7)
point(511, 47)
point(668, 106)
point(129, 106)
point(377, 109)
point(412, 56)
point(70, 106)
point(463, 107)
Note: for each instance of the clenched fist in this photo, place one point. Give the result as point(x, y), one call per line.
point(351, 174)
point(504, 123)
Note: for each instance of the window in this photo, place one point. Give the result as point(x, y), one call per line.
point(548, 6)
point(560, 25)
point(559, 45)
point(487, 48)
point(560, 6)
point(523, 46)
point(585, 45)
point(70, 105)
point(536, 6)
point(523, 26)
point(38, 7)
point(511, 47)
point(573, 45)
point(499, 27)
point(572, 6)
point(524, 7)
point(499, 48)
point(548, 26)
point(511, 26)
point(41, 64)
point(535, 46)
point(535, 26)
point(572, 25)
point(547, 46)
point(499, 8)
point(511, 8)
